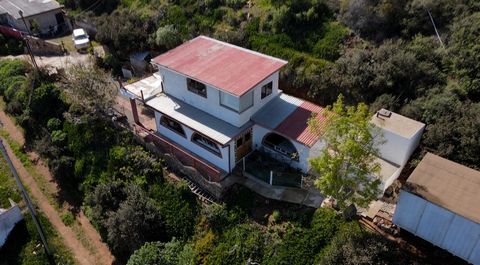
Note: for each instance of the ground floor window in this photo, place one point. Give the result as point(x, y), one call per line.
point(172, 125)
point(206, 143)
point(281, 145)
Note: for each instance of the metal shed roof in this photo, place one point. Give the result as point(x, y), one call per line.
point(150, 87)
point(288, 116)
point(447, 184)
point(202, 122)
point(225, 66)
point(29, 7)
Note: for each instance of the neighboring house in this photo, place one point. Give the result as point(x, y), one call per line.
point(441, 204)
point(44, 16)
point(8, 219)
point(220, 102)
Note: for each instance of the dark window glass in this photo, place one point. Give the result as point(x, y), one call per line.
point(248, 136)
point(206, 143)
point(196, 87)
point(172, 125)
point(266, 90)
point(239, 141)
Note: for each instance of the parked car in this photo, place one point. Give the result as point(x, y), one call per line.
point(80, 39)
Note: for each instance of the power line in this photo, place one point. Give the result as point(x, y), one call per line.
point(435, 27)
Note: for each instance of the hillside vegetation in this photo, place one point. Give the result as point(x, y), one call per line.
point(384, 53)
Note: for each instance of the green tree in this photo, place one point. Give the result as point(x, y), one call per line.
point(136, 221)
point(167, 37)
point(346, 166)
point(154, 253)
point(90, 87)
point(352, 246)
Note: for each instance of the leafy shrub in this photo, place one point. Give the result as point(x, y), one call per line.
point(353, 246)
point(167, 37)
point(328, 47)
point(68, 218)
point(153, 253)
point(237, 245)
point(179, 208)
point(53, 124)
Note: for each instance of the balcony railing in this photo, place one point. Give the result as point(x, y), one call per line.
point(271, 171)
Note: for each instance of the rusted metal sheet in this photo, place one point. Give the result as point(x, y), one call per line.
point(295, 125)
point(227, 67)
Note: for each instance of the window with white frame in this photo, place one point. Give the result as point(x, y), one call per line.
point(206, 143)
point(172, 125)
point(266, 90)
point(197, 87)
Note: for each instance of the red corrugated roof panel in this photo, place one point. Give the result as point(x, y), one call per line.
point(295, 125)
point(225, 66)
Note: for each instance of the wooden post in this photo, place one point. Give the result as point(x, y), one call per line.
point(271, 177)
point(136, 119)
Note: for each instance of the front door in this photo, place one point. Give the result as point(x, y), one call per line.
point(243, 145)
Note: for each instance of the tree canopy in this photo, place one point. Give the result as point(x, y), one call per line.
point(347, 167)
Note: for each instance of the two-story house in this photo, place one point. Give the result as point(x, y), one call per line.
point(220, 102)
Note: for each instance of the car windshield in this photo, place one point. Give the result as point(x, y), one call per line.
point(79, 37)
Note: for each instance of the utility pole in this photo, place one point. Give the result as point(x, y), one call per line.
point(29, 49)
point(27, 200)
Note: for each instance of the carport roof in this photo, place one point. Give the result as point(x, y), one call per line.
point(289, 115)
point(29, 7)
point(447, 184)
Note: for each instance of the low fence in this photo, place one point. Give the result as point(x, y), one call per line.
point(44, 47)
point(270, 171)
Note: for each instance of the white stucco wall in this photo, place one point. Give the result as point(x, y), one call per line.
point(439, 226)
point(398, 149)
point(44, 20)
point(8, 220)
point(175, 85)
point(221, 162)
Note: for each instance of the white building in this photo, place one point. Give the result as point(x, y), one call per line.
point(47, 14)
point(220, 102)
point(441, 204)
point(401, 136)
point(8, 219)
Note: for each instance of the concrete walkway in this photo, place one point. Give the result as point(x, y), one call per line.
point(311, 198)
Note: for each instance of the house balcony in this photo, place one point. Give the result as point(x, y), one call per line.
point(262, 166)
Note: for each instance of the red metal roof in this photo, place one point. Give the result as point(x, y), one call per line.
point(225, 66)
point(295, 125)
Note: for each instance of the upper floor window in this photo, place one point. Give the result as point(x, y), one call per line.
point(172, 125)
point(197, 87)
point(266, 90)
point(206, 143)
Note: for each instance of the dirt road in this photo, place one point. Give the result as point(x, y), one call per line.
point(102, 254)
point(54, 61)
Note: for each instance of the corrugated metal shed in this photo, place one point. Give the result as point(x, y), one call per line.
point(208, 125)
point(225, 66)
point(447, 184)
point(29, 7)
point(446, 229)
